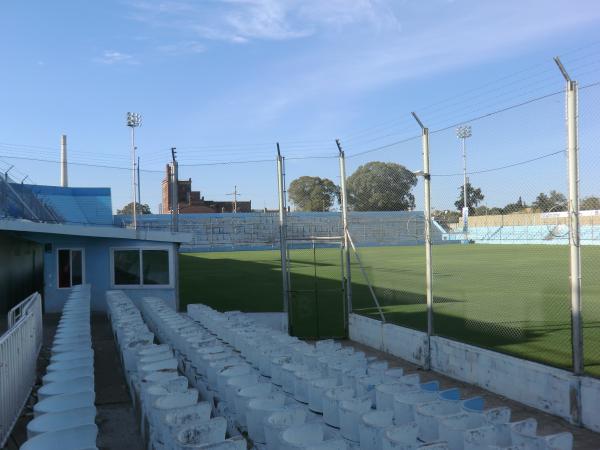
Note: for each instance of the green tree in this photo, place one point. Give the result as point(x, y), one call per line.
point(554, 201)
point(379, 186)
point(474, 197)
point(313, 193)
point(519, 205)
point(590, 202)
point(139, 209)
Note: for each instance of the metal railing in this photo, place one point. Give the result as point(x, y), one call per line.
point(19, 349)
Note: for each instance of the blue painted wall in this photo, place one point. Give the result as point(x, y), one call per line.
point(97, 269)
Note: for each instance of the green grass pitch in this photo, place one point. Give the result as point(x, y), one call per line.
point(510, 298)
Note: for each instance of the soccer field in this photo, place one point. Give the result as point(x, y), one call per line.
point(510, 298)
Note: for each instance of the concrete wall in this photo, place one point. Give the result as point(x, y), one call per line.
point(97, 269)
point(546, 388)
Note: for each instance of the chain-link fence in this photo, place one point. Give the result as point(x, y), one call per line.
point(504, 265)
point(314, 254)
point(589, 167)
point(501, 278)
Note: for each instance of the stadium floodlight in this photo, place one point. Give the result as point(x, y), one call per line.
point(134, 120)
point(463, 132)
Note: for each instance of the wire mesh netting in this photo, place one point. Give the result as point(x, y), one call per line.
point(386, 229)
point(501, 277)
point(589, 167)
point(314, 248)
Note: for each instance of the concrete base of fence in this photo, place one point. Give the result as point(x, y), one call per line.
point(543, 387)
point(590, 403)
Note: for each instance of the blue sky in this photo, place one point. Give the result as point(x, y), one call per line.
point(223, 80)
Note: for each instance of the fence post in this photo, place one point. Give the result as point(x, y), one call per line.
point(574, 238)
point(344, 207)
point(427, 212)
point(283, 235)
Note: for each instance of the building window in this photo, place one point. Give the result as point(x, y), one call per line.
point(141, 267)
point(70, 267)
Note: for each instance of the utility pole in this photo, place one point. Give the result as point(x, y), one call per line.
point(235, 194)
point(174, 191)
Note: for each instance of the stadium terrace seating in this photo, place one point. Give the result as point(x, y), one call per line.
point(216, 377)
point(65, 413)
point(527, 234)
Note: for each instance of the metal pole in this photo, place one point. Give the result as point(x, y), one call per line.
point(574, 235)
point(465, 193)
point(64, 177)
point(427, 213)
point(133, 188)
point(574, 229)
point(175, 191)
point(344, 206)
point(282, 235)
point(139, 189)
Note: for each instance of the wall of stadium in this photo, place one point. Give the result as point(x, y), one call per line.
point(543, 387)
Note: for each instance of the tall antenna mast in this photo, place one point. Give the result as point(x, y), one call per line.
point(235, 194)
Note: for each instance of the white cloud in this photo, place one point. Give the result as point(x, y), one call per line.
point(241, 21)
point(114, 57)
point(351, 47)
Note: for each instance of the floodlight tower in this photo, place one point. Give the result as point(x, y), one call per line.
point(134, 120)
point(463, 132)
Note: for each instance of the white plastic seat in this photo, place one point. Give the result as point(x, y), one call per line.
point(316, 390)
point(403, 437)
point(225, 374)
point(60, 403)
point(69, 374)
point(331, 401)
point(451, 429)
point(234, 384)
point(162, 405)
point(200, 434)
point(428, 414)
point(69, 356)
point(302, 381)
point(371, 428)
point(278, 421)
point(350, 413)
point(405, 401)
point(82, 384)
point(177, 418)
point(61, 420)
point(385, 392)
point(244, 395)
point(302, 436)
point(258, 409)
point(76, 438)
point(72, 363)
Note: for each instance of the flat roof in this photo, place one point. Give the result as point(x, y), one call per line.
point(110, 232)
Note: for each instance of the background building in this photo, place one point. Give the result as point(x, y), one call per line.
point(190, 202)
